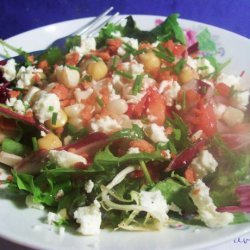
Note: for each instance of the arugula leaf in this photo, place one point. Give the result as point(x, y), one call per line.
point(170, 29)
point(132, 133)
point(180, 135)
point(177, 192)
point(107, 33)
point(106, 159)
point(72, 42)
point(53, 55)
point(217, 66)
point(205, 41)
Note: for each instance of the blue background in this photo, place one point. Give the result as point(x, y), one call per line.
point(17, 16)
point(21, 15)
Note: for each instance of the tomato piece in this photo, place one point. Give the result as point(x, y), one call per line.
point(156, 107)
point(72, 58)
point(222, 89)
point(207, 120)
point(177, 49)
point(140, 107)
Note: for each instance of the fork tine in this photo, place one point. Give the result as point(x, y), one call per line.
point(91, 23)
point(97, 29)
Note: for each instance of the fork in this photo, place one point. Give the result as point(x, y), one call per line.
point(90, 29)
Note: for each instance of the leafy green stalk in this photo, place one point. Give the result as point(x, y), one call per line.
point(146, 173)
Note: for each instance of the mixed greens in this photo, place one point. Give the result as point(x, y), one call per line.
point(131, 129)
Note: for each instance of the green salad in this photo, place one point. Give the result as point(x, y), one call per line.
point(133, 130)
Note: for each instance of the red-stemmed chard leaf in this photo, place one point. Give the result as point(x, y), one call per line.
point(183, 159)
point(28, 120)
point(88, 145)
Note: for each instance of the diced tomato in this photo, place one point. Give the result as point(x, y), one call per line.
point(43, 65)
point(177, 49)
point(114, 44)
point(190, 175)
point(104, 54)
point(72, 58)
point(156, 107)
point(223, 89)
point(143, 145)
point(207, 120)
point(14, 94)
point(61, 91)
point(139, 107)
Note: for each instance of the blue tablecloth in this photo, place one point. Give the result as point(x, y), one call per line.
point(21, 15)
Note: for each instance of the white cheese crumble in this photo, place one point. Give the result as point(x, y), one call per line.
point(206, 207)
point(240, 100)
point(155, 133)
point(89, 185)
point(203, 164)
point(87, 44)
point(25, 76)
point(204, 67)
point(155, 204)
point(133, 68)
point(9, 70)
point(41, 106)
point(166, 154)
point(105, 124)
point(133, 150)
point(130, 41)
point(53, 218)
point(18, 105)
point(89, 218)
point(82, 94)
point(65, 159)
point(29, 201)
point(170, 90)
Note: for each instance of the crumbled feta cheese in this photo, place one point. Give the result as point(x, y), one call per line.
point(65, 159)
point(43, 133)
point(53, 218)
point(82, 94)
point(133, 150)
point(170, 90)
point(138, 123)
point(219, 109)
point(147, 82)
point(18, 105)
point(166, 154)
point(25, 76)
point(89, 218)
point(27, 98)
point(152, 118)
point(89, 185)
point(204, 67)
point(193, 63)
point(67, 140)
point(154, 203)
point(229, 80)
point(9, 70)
point(155, 133)
point(240, 99)
point(29, 201)
point(133, 68)
point(87, 44)
point(105, 124)
point(206, 207)
point(232, 116)
point(203, 164)
point(178, 107)
point(130, 41)
point(112, 93)
point(41, 106)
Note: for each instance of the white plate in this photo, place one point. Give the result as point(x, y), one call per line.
point(26, 227)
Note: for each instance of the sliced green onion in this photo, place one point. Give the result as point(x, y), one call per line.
point(163, 56)
point(54, 118)
point(51, 108)
point(124, 74)
point(99, 101)
point(179, 66)
point(35, 144)
point(183, 103)
point(95, 58)
point(115, 61)
point(137, 84)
